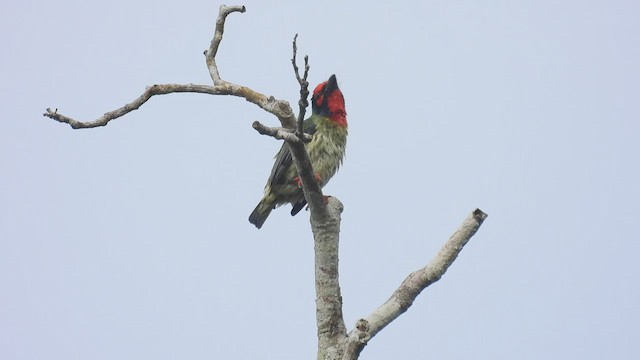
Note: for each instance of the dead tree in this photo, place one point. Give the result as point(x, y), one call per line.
point(334, 341)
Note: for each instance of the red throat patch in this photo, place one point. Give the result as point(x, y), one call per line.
point(335, 103)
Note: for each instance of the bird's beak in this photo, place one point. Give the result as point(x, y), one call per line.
point(332, 84)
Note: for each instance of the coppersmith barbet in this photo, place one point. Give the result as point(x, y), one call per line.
point(328, 125)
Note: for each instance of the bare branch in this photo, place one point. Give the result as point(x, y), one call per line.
point(303, 103)
point(281, 109)
point(281, 133)
point(411, 287)
point(294, 62)
point(217, 38)
point(135, 104)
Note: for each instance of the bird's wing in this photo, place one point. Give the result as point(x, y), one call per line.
point(284, 160)
point(282, 163)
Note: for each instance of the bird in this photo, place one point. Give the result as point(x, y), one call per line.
point(328, 125)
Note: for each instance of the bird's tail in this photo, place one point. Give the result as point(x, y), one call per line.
point(261, 213)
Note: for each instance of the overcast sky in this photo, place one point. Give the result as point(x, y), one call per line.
point(131, 241)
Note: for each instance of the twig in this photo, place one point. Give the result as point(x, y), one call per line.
point(217, 38)
point(303, 103)
point(279, 108)
point(135, 104)
point(312, 190)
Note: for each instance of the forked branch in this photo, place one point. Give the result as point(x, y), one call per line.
point(279, 108)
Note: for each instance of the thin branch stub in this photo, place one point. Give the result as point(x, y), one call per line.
point(281, 133)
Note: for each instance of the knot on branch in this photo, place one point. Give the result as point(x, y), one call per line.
point(362, 325)
point(356, 340)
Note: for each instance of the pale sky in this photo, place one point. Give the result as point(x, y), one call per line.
point(131, 241)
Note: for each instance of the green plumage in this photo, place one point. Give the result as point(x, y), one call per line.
point(326, 152)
